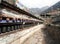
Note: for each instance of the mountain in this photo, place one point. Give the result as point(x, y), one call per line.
point(57, 5)
point(37, 10)
point(53, 7)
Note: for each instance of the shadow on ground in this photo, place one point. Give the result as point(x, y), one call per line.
point(52, 34)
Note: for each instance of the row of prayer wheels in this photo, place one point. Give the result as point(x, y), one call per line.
point(9, 24)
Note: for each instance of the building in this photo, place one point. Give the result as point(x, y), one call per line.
point(13, 18)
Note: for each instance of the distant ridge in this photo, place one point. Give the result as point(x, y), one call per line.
point(54, 7)
point(37, 10)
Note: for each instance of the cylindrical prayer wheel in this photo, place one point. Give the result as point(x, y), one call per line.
point(0, 30)
point(15, 27)
point(12, 28)
point(8, 27)
point(3, 29)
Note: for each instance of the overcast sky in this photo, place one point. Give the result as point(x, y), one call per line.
point(38, 3)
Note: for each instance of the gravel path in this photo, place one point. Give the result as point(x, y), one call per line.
point(36, 38)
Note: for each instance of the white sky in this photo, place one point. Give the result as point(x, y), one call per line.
point(38, 3)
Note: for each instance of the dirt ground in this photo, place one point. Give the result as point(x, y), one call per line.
point(48, 35)
point(52, 34)
point(36, 38)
